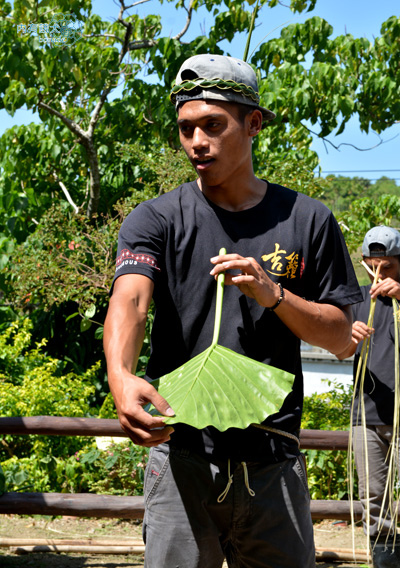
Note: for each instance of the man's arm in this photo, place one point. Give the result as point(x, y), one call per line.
point(323, 325)
point(124, 331)
point(360, 330)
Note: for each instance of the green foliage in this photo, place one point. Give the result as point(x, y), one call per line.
point(222, 388)
point(71, 260)
point(108, 409)
point(327, 469)
point(365, 213)
point(340, 191)
point(15, 359)
point(311, 76)
point(2, 481)
point(73, 89)
point(34, 384)
point(295, 171)
point(119, 470)
point(74, 258)
point(37, 385)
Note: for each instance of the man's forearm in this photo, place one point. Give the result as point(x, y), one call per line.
point(348, 352)
point(323, 325)
point(124, 331)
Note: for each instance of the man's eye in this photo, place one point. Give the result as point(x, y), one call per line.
point(185, 129)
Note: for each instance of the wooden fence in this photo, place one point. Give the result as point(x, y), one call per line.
point(91, 505)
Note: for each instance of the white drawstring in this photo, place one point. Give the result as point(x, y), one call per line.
point(246, 480)
point(230, 481)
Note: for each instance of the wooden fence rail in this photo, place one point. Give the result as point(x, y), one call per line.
point(91, 505)
point(62, 426)
point(120, 507)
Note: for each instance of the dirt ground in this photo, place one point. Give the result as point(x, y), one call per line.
point(329, 535)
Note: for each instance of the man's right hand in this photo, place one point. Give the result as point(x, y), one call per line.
point(142, 428)
point(360, 331)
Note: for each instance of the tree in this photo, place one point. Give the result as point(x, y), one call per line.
point(340, 191)
point(70, 88)
point(71, 163)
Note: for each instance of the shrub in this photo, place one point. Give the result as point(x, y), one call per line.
point(34, 384)
point(327, 469)
point(118, 470)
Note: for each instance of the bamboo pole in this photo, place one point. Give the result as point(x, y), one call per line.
point(78, 549)
point(21, 547)
point(132, 546)
point(344, 554)
point(16, 542)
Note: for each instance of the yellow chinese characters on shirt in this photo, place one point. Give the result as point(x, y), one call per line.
point(281, 263)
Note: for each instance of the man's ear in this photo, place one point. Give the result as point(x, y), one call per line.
point(255, 122)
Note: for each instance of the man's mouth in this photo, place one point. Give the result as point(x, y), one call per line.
point(202, 162)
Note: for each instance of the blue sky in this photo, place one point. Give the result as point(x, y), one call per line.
point(361, 18)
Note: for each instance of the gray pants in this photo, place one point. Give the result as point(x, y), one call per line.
point(378, 443)
point(194, 517)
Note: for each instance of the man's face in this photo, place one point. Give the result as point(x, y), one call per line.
point(216, 141)
point(390, 266)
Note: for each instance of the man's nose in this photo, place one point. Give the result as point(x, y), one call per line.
point(199, 138)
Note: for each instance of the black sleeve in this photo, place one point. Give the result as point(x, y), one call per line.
point(335, 281)
point(140, 243)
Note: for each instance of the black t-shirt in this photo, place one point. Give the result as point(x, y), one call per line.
point(295, 239)
point(379, 382)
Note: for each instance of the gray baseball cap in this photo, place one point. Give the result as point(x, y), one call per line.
point(220, 78)
point(387, 237)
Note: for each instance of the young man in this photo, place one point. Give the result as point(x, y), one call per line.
point(381, 250)
point(241, 494)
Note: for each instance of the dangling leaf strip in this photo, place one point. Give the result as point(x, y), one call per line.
point(389, 494)
point(359, 386)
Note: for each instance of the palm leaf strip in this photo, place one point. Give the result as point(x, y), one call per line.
point(359, 385)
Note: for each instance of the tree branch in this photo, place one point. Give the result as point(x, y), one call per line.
point(124, 50)
point(337, 147)
point(67, 195)
point(188, 21)
point(104, 35)
point(142, 44)
point(75, 128)
point(136, 4)
point(94, 193)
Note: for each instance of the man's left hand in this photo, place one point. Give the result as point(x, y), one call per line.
point(387, 287)
point(252, 280)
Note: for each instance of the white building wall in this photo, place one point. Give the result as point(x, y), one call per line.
point(318, 366)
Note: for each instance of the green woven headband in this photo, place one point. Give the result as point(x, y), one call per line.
point(241, 88)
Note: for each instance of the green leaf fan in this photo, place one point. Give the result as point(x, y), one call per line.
point(221, 388)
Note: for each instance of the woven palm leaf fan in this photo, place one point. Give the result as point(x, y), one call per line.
point(221, 388)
